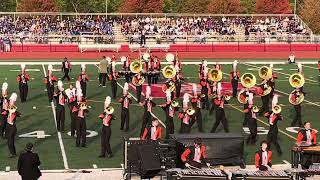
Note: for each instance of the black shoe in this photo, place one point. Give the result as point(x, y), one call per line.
point(109, 155)
point(77, 145)
point(102, 156)
point(126, 130)
point(84, 146)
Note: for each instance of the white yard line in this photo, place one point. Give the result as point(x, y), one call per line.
point(310, 67)
point(63, 152)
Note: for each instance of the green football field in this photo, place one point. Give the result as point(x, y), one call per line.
point(60, 152)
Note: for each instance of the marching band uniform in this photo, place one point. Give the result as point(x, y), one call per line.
point(201, 68)
point(49, 81)
point(11, 128)
point(153, 132)
point(272, 136)
point(157, 67)
point(263, 159)
point(126, 67)
point(83, 78)
point(23, 79)
point(148, 105)
point(72, 101)
point(178, 80)
point(251, 121)
point(264, 99)
point(106, 132)
point(148, 69)
point(103, 70)
point(195, 156)
point(61, 98)
point(137, 78)
point(113, 78)
point(196, 105)
point(219, 111)
point(167, 86)
point(125, 101)
point(243, 97)
point(185, 122)
point(234, 77)
point(297, 108)
point(81, 127)
point(66, 68)
point(205, 86)
point(170, 110)
point(4, 102)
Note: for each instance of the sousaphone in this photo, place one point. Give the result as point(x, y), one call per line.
point(169, 72)
point(215, 75)
point(136, 66)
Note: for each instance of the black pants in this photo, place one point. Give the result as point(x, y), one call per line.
point(102, 79)
point(139, 90)
point(23, 89)
point(197, 118)
point(272, 137)
point(169, 126)
point(297, 118)
point(185, 128)
point(84, 88)
point(50, 91)
point(146, 121)
point(252, 124)
point(114, 88)
point(220, 117)
point(105, 140)
point(205, 103)
point(265, 104)
point(234, 84)
point(155, 79)
point(125, 118)
point(178, 90)
point(11, 132)
point(3, 125)
point(73, 121)
point(60, 115)
point(81, 132)
point(149, 78)
point(66, 74)
point(143, 40)
point(127, 78)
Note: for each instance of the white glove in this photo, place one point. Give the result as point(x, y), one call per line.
point(187, 165)
point(208, 164)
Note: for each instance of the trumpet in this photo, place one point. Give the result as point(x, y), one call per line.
point(276, 109)
point(136, 66)
point(248, 80)
point(215, 75)
point(109, 110)
point(240, 96)
point(265, 72)
point(137, 82)
point(169, 72)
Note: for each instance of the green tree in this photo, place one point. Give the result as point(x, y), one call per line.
point(194, 6)
point(170, 6)
point(310, 13)
point(8, 5)
point(248, 6)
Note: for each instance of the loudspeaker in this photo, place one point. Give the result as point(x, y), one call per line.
point(150, 161)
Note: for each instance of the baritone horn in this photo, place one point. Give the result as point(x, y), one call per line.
point(215, 75)
point(136, 66)
point(169, 72)
point(137, 82)
point(248, 80)
point(296, 80)
point(109, 110)
point(298, 100)
point(265, 72)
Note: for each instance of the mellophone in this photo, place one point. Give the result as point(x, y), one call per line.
point(209, 173)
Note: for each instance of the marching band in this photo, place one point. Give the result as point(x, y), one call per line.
point(149, 68)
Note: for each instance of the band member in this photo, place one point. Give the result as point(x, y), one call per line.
point(307, 135)
point(154, 132)
point(23, 79)
point(195, 155)
point(49, 81)
point(106, 117)
point(234, 77)
point(113, 78)
point(263, 157)
point(264, 98)
point(157, 68)
point(203, 67)
point(83, 78)
point(219, 102)
point(251, 115)
point(126, 68)
point(177, 63)
point(186, 100)
point(137, 79)
point(271, 82)
point(28, 164)
point(186, 117)
point(244, 96)
point(103, 70)
point(125, 101)
point(148, 105)
point(295, 96)
point(4, 102)
point(167, 88)
point(66, 68)
point(273, 117)
point(81, 128)
point(292, 59)
point(72, 101)
point(11, 129)
point(61, 98)
point(170, 110)
point(178, 80)
point(148, 69)
point(205, 86)
point(196, 105)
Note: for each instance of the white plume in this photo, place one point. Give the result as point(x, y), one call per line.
point(125, 88)
point(271, 65)
point(300, 67)
point(205, 63)
point(107, 101)
point(113, 64)
point(83, 67)
point(23, 67)
point(4, 86)
point(250, 99)
point(186, 100)
point(108, 59)
point(168, 95)
point(60, 85)
point(194, 87)
point(50, 67)
point(148, 91)
point(219, 88)
point(13, 98)
point(275, 100)
point(235, 63)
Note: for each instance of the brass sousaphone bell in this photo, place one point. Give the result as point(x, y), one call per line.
point(169, 72)
point(248, 80)
point(12, 108)
point(240, 94)
point(265, 72)
point(296, 80)
point(136, 66)
point(174, 103)
point(215, 75)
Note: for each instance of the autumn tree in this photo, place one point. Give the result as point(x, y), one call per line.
point(273, 7)
point(310, 13)
point(224, 7)
point(37, 6)
point(142, 6)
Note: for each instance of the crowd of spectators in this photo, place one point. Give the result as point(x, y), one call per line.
point(218, 28)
